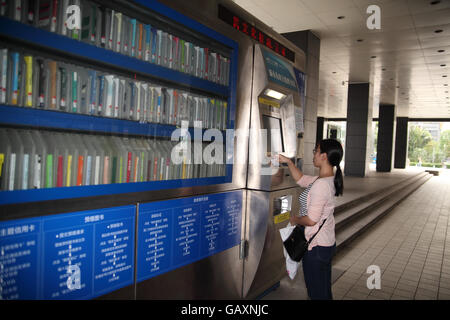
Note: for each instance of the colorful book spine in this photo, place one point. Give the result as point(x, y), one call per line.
point(59, 174)
point(69, 170)
point(133, 37)
point(138, 102)
point(135, 171)
point(106, 170)
point(113, 170)
point(12, 171)
point(53, 21)
point(159, 35)
point(111, 31)
point(182, 53)
point(129, 167)
point(206, 60)
point(37, 171)
point(42, 83)
point(154, 42)
point(147, 52)
point(74, 91)
point(140, 40)
point(4, 66)
point(17, 10)
point(53, 70)
point(65, 4)
point(119, 31)
point(93, 91)
point(25, 166)
point(101, 81)
point(109, 95)
point(103, 28)
point(93, 30)
point(97, 170)
point(88, 170)
point(63, 88)
point(116, 97)
point(29, 81)
point(49, 171)
point(15, 78)
point(132, 98)
point(80, 170)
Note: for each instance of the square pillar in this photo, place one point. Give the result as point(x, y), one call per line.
point(401, 143)
point(358, 142)
point(386, 121)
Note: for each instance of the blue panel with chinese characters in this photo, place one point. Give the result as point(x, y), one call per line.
point(177, 232)
point(78, 255)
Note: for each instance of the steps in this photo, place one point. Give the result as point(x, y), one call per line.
point(354, 217)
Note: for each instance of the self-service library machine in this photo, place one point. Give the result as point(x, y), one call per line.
point(91, 203)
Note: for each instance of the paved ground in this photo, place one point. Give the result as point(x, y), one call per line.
point(410, 245)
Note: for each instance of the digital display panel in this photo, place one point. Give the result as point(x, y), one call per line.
point(245, 27)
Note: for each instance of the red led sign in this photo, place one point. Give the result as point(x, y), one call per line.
point(243, 26)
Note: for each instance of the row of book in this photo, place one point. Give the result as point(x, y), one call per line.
point(110, 29)
point(35, 159)
point(31, 81)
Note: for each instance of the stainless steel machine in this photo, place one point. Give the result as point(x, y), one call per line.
point(272, 193)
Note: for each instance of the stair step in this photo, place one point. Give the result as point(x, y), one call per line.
point(344, 217)
point(360, 224)
point(365, 198)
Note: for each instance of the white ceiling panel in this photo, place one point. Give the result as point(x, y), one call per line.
point(319, 6)
point(406, 46)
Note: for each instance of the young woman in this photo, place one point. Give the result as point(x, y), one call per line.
point(317, 204)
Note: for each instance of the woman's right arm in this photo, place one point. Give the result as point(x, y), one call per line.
point(295, 172)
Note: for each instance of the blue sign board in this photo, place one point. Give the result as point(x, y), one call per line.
point(174, 233)
point(279, 71)
point(78, 255)
point(301, 81)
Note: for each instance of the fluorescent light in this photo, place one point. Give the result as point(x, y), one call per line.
point(274, 94)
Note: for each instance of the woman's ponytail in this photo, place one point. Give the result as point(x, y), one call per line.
point(338, 181)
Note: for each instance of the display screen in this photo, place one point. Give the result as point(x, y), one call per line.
point(243, 26)
point(274, 134)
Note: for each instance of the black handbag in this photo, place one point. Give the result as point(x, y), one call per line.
point(296, 244)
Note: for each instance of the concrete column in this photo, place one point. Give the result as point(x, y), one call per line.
point(386, 119)
point(401, 143)
point(320, 122)
point(358, 142)
point(310, 44)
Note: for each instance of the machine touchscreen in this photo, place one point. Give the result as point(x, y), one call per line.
point(274, 134)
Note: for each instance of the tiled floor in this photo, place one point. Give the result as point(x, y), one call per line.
point(410, 245)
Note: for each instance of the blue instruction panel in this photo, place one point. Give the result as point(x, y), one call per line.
point(78, 255)
point(174, 233)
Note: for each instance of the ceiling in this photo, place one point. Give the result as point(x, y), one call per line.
point(403, 60)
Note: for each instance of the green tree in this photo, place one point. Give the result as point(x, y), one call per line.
point(418, 139)
point(444, 144)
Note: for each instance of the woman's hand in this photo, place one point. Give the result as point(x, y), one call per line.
point(292, 220)
point(283, 159)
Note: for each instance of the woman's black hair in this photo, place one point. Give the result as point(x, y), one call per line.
point(334, 152)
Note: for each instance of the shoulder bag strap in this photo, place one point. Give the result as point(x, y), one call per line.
point(310, 240)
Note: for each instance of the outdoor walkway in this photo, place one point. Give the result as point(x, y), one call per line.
point(410, 245)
